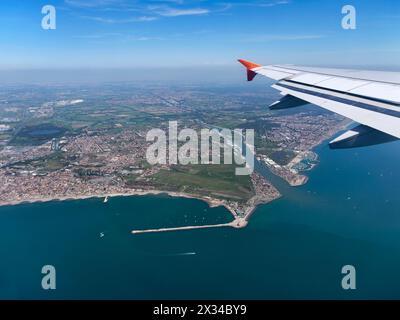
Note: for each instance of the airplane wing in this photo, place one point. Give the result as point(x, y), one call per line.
point(371, 98)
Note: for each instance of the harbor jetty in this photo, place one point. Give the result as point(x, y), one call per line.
point(237, 223)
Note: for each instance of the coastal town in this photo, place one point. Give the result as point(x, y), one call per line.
point(76, 147)
point(95, 166)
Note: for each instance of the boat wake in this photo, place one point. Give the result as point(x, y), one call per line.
point(179, 254)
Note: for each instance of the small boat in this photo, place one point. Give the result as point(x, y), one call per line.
point(105, 199)
point(101, 234)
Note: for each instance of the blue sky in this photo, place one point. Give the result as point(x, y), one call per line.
point(187, 33)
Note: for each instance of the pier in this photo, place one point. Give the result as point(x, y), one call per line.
point(237, 223)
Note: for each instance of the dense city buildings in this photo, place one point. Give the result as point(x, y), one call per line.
point(74, 142)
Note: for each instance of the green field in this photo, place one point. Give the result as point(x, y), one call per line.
point(219, 181)
point(283, 157)
point(52, 162)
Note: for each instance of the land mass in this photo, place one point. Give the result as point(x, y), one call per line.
point(79, 143)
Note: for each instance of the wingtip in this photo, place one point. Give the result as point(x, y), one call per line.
point(248, 64)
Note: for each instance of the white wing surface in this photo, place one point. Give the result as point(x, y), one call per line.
point(371, 98)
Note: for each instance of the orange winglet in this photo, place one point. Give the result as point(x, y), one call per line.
point(249, 65)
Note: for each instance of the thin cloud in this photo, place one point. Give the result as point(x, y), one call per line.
point(146, 18)
point(148, 11)
point(120, 37)
point(119, 21)
point(273, 4)
point(157, 9)
point(270, 37)
point(93, 3)
point(169, 12)
point(97, 36)
point(263, 4)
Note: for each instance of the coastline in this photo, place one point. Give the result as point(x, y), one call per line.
point(238, 221)
point(211, 202)
point(296, 180)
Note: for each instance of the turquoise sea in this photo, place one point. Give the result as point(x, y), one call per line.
point(293, 248)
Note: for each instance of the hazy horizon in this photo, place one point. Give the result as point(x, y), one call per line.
point(234, 74)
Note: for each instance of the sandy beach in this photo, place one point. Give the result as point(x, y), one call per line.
point(211, 202)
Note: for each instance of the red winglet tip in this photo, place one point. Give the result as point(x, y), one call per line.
point(249, 65)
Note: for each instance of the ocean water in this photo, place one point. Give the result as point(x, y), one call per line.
point(293, 248)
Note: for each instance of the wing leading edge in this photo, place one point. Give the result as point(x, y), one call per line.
point(367, 97)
